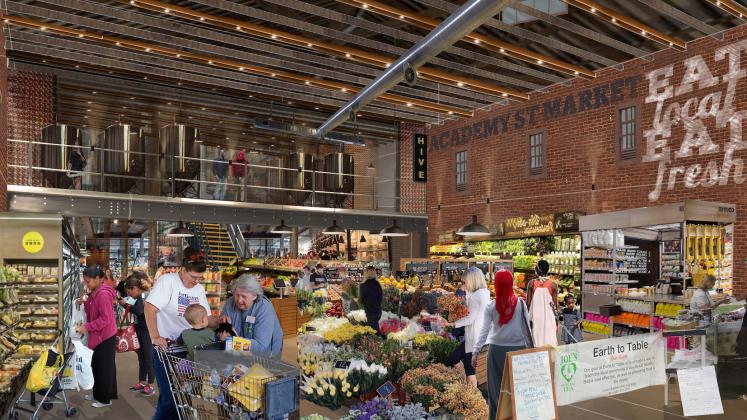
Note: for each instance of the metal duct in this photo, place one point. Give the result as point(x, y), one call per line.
point(300, 178)
point(55, 155)
point(338, 168)
point(181, 149)
point(123, 157)
point(463, 21)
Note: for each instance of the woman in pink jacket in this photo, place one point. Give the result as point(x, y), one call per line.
point(101, 329)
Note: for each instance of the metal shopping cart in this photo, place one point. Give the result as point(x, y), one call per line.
point(220, 385)
point(49, 396)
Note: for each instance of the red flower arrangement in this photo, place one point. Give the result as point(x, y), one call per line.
point(391, 325)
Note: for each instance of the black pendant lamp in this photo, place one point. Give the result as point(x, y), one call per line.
point(281, 228)
point(393, 230)
point(334, 229)
point(473, 229)
point(179, 232)
point(362, 239)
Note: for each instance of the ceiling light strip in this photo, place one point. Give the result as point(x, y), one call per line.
point(627, 23)
point(225, 63)
point(485, 42)
point(317, 45)
point(731, 7)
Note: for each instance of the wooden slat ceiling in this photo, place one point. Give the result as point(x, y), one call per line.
point(305, 58)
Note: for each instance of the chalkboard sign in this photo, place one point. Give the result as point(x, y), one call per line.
point(342, 364)
point(483, 266)
point(427, 327)
point(385, 390)
point(355, 271)
point(567, 221)
point(279, 283)
point(454, 266)
point(503, 265)
point(528, 379)
point(421, 267)
point(331, 272)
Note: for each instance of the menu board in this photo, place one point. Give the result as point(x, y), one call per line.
point(454, 266)
point(422, 267)
point(483, 266)
point(527, 378)
point(503, 265)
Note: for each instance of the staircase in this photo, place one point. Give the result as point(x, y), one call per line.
point(217, 244)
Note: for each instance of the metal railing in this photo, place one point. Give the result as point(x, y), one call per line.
point(160, 177)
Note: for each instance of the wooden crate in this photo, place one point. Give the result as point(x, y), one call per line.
point(287, 311)
point(482, 368)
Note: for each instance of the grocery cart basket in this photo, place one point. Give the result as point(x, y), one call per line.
point(221, 385)
point(49, 396)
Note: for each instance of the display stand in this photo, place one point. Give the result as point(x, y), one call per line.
point(672, 373)
point(534, 369)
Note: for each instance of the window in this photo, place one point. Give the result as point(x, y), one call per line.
point(627, 122)
point(536, 154)
point(461, 170)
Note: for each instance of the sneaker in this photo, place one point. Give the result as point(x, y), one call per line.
point(97, 404)
point(148, 390)
point(137, 388)
point(88, 397)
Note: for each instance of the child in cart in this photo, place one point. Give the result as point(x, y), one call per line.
point(199, 334)
point(571, 321)
point(134, 286)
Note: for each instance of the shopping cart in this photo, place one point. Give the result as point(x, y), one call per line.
point(221, 385)
point(49, 396)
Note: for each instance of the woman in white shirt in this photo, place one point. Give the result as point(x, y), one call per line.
point(478, 298)
point(701, 300)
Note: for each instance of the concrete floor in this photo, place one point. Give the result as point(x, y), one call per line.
point(645, 404)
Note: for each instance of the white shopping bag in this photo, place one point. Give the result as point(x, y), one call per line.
point(68, 376)
point(82, 366)
point(78, 319)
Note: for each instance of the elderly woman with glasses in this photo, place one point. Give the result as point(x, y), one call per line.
point(253, 317)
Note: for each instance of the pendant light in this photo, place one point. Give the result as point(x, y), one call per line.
point(473, 229)
point(179, 232)
point(393, 230)
point(362, 239)
point(281, 228)
point(334, 229)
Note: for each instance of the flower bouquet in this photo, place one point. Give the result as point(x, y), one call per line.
point(358, 316)
point(452, 307)
point(405, 335)
point(345, 332)
point(425, 384)
point(391, 325)
point(464, 401)
point(390, 303)
point(439, 348)
point(303, 298)
point(368, 377)
point(378, 409)
point(328, 388)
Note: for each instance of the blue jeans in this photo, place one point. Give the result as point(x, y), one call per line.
point(165, 408)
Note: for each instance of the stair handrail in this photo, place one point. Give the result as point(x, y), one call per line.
point(237, 239)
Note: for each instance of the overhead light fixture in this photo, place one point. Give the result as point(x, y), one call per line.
point(334, 229)
point(473, 229)
point(179, 232)
point(393, 230)
point(115, 221)
point(281, 228)
point(362, 240)
point(371, 166)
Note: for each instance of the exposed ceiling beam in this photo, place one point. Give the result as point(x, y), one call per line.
point(427, 72)
point(519, 32)
point(489, 43)
point(568, 25)
point(627, 23)
point(731, 7)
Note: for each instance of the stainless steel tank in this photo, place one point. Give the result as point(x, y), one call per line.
point(338, 178)
point(300, 177)
point(123, 156)
point(56, 156)
point(180, 146)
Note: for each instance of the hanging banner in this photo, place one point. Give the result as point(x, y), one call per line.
point(419, 158)
point(602, 368)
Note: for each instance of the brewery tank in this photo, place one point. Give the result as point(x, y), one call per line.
point(179, 145)
point(123, 156)
point(338, 178)
point(55, 153)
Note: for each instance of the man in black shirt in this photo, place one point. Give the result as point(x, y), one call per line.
point(318, 280)
point(371, 296)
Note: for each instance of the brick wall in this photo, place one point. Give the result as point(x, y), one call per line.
point(689, 144)
point(30, 109)
point(3, 123)
point(412, 193)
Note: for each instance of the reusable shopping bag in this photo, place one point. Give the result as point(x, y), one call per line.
point(126, 336)
point(82, 366)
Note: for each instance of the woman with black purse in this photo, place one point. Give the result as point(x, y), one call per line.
point(505, 328)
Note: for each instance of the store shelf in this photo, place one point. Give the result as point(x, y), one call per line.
point(595, 322)
point(595, 333)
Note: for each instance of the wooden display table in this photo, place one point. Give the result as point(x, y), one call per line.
point(287, 311)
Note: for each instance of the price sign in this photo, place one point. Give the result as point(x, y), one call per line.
point(279, 284)
point(385, 390)
point(421, 267)
point(428, 327)
point(342, 364)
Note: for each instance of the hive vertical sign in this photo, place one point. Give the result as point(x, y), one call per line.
point(419, 158)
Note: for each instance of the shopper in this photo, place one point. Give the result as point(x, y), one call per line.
point(505, 328)
point(199, 334)
point(136, 285)
point(701, 300)
point(253, 317)
point(571, 333)
point(220, 171)
point(371, 296)
point(109, 279)
point(238, 170)
point(76, 164)
point(478, 297)
point(304, 279)
point(164, 313)
point(101, 327)
point(318, 279)
point(542, 298)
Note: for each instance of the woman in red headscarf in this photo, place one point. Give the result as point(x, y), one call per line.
point(505, 328)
